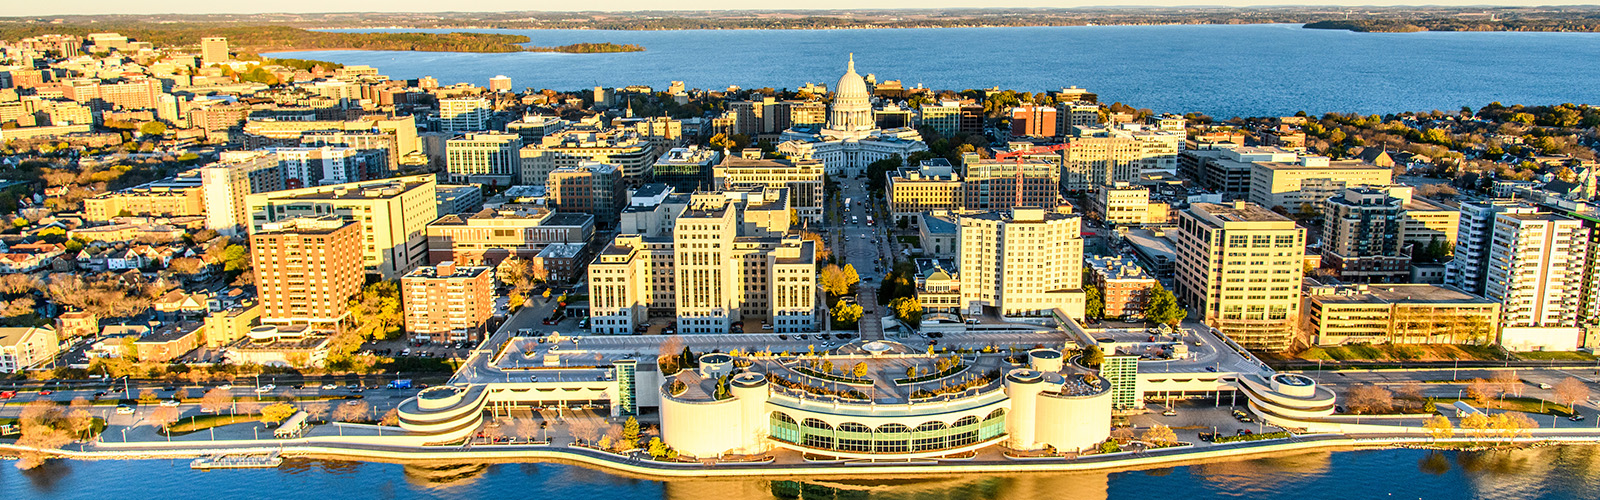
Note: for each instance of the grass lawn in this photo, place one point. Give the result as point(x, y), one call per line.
point(1556, 356)
point(1391, 352)
point(1513, 403)
point(203, 422)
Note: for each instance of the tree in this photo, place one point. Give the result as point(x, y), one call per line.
point(317, 411)
point(235, 258)
point(850, 276)
point(1476, 422)
point(147, 395)
point(185, 265)
point(1160, 436)
point(153, 128)
point(630, 431)
point(1122, 435)
point(1508, 382)
point(1162, 307)
point(847, 314)
point(908, 309)
point(215, 400)
point(1092, 357)
point(1509, 425)
point(1440, 427)
point(834, 281)
point(79, 419)
point(43, 426)
point(1094, 304)
point(163, 417)
point(390, 418)
point(352, 412)
point(1368, 398)
point(378, 310)
point(657, 449)
point(1569, 391)
point(1410, 391)
point(794, 218)
point(277, 412)
point(860, 371)
point(667, 356)
point(1483, 390)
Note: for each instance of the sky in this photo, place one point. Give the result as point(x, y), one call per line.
point(33, 8)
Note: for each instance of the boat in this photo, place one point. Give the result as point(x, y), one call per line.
point(226, 461)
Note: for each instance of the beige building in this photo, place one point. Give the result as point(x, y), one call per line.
point(1021, 262)
point(1126, 204)
point(630, 152)
point(447, 303)
point(484, 158)
point(1305, 184)
point(26, 347)
point(464, 114)
point(169, 198)
point(226, 183)
point(1398, 314)
point(232, 323)
point(1241, 265)
point(393, 213)
point(932, 186)
point(1536, 269)
point(307, 270)
point(491, 236)
point(1106, 155)
point(213, 50)
point(802, 178)
point(727, 258)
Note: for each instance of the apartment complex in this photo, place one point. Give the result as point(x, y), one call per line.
point(933, 185)
point(1469, 270)
point(1033, 121)
point(589, 188)
point(989, 184)
point(393, 215)
point(1124, 286)
point(1303, 185)
point(1398, 314)
point(307, 269)
point(484, 158)
point(315, 166)
point(952, 117)
point(447, 303)
point(631, 153)
point(1104, 155)
point(174, 197)
point(1537, 267)
point(1021, 262)
point(226, 183)
point(725, 257)
point(1361, 236)
point(801, 179)
point(1241, 265)
point(24, 347)
point(464, 114)
point(490, 236)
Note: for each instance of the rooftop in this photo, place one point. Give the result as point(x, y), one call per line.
point(1394, 293)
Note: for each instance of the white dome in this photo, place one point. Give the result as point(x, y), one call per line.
point(851, 85)
point(851, 113)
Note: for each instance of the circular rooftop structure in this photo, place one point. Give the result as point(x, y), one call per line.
point(434, 398)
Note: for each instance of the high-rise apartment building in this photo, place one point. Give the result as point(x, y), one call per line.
point(464, 114)
point(393, 215)
point(486, 158)
point(624, 148)
point(1469, 270)
point(307, 166)
point(1021, 262)
point(447, 303)
point(500, 83)
point(1537, 267)
point(1076, 114)
point(307, 269)
point(1124, 286)
point(1361, 236)
point(1241, 266)
point(226, 183)
point(213, 50)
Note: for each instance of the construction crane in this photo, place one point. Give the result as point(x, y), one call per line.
point(1020, 156)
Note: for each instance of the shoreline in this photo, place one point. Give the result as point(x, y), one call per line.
point(617, 464)
point(1302, 24)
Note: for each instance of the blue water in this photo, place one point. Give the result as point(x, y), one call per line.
point(1221, 70)
point(1547, 473)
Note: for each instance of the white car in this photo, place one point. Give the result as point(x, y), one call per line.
point(266, 388)
point(329, 386)
point(225, 386)
point(124, 410)
point(171, 402)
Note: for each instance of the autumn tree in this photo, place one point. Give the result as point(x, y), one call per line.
point(1368, 398)
point(215, 400)
point(1509, 425)
point(860, 370)
point(847, 314)
point(378, 310)
point(833, 280)
point(907, 309)
point(316, 411)
point(1122, 435)
point(1483, 391)
point(1160, 436)
point(43, 427)
point(667, 355)
point(390, 418)
point(1439, 427)
point(1508, 382)
point(1094, 304)
point(1476, 422)
point(352, 411)
point(80, 420)
point(630, 431)
point(1569, 391)
point(277, 413)
point(163, 417)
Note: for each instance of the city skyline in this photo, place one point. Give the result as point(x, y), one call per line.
point(94, 7)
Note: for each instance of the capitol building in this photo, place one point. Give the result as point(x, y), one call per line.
point(851, 139)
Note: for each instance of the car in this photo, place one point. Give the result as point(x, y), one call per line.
point(171, 402)
point(805, 337)
point(8, 394)
point(1211, 368)
point(225, 386)
point(766, 326)
point(170, 388)
point(352, 385)
point(353, 402)
point(1575, 417)
point(1244, 432)
point(329, 386)
point(124, 410)
point(299, 386)
point(783, 337)
point(1169, 413)
point(1545, 386)
point(266, 388)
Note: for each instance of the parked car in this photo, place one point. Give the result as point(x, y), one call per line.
point(124, 410)
point(171, 402)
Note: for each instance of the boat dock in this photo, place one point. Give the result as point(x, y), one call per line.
point(225, 461)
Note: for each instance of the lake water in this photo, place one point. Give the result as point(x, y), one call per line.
point(1221, 70)
point(1547, 473)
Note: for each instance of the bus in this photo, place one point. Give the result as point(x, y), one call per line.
point(847, 204)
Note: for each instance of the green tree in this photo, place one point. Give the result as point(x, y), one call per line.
point(1094, 304)
point(907, 309)
point(235, 258)
point(153, 128)
point(1092, 357)
point(846, 315)
point(630, 431)
point(1162, 307)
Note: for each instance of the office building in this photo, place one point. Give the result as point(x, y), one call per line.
point(590, 188)
point(1398, 314)
point(490, 236)
point(315, 166)
point(459, 199)
point(803, 179)
point(307, 270)
point(933, 185)
point(1033, 121)
point(447, 303)
point(226, 183)
point(1106, 155)
point(464, 114)
point(1537, 266)
point(213, 50)
point(632, 154)
point(485, 158)
point(1241, 265)
point(532, 128)
point(396, 135)
point(1469, 270)
point(1122, 203)
point(1226, 169)
point(687, 169)
point(1302, 186)
point(1021, 262)
point(392, 215)
point(989, 184)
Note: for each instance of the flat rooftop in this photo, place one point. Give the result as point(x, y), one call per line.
point(1242, 212)
point(1395, 293)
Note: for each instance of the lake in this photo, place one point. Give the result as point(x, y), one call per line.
point(1547, 473)
point(1221, 70)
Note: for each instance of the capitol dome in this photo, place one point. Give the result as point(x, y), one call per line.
point(851, 116)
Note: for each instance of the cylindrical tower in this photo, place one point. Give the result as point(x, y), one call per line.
point(1045, 360)
point(750, 390)
point(1022, 388)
